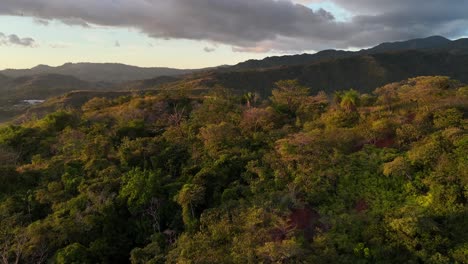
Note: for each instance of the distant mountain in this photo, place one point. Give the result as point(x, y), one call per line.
point(63, 90)
point(459, 46)
point(290, 60)
point(434, 43)
point(363, 72)
point(3, 78)
point(15, 91)
point(98, 72)
point(327, 70)
point(40, 87)
point(148, 83)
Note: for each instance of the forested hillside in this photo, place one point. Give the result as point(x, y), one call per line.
point(14, 91)
point(429, 44)
point(363, 73)
point(295, 177)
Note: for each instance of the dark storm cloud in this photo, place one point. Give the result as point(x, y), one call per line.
point(397, 19)
point(258, 25)
point(15, 40)
point(448, 7)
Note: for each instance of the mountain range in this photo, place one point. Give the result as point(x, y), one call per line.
point(327, 70)
point(363, 73)
point(434, 43)
point(98, 72)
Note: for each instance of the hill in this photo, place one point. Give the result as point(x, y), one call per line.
point(114, 72)
point(3, 79)
point(17, 94)
point(363, 72)
point(434, 43)
point(40, 87)
point(71, 100)
point(99, 72)
point(327, 70)
point(148, 83)
point(62, 90)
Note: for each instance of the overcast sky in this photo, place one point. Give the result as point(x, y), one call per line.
point(199, 33)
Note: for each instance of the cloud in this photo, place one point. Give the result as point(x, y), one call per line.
point(259, 25)
point(13, 39)
point(40, 21)
point(208, 49)
point(59, 45)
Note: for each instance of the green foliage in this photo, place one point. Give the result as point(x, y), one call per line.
point(448, 118)
point(340, 118)
point(96, 103)
point(399, 167)
point(151, 253)
point(133, 129)
point(58, 121)
point(188, 197)
point(73, 254)
point(138, 187)
point(218, 178)
point(289, 95)
point(350, 100)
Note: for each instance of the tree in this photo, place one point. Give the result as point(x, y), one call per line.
point(399, 167)
point(340, 118)
point(425, 153)
point(7, 156)
point(12, 242)
point(286, 251)
point(289, 95)
point(350, 100)
point(72, 254)
point(58, 121)
point(151, 253)
point(188, 197)
point(312, 107)
point(337, 97)
point(96, 103)
point(140, 187)
point(250, 99)
point(257, 119)
point(451, 117)
point(388, 94)
point(219, 137)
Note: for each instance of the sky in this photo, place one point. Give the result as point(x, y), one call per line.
point(204, 33)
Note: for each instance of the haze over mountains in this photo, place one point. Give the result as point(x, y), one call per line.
point(327, 70)
point(98, 72)
point(115, 72)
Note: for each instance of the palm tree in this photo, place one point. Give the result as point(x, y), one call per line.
point(249, 97)
point(350, 100)
point(337, 97)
